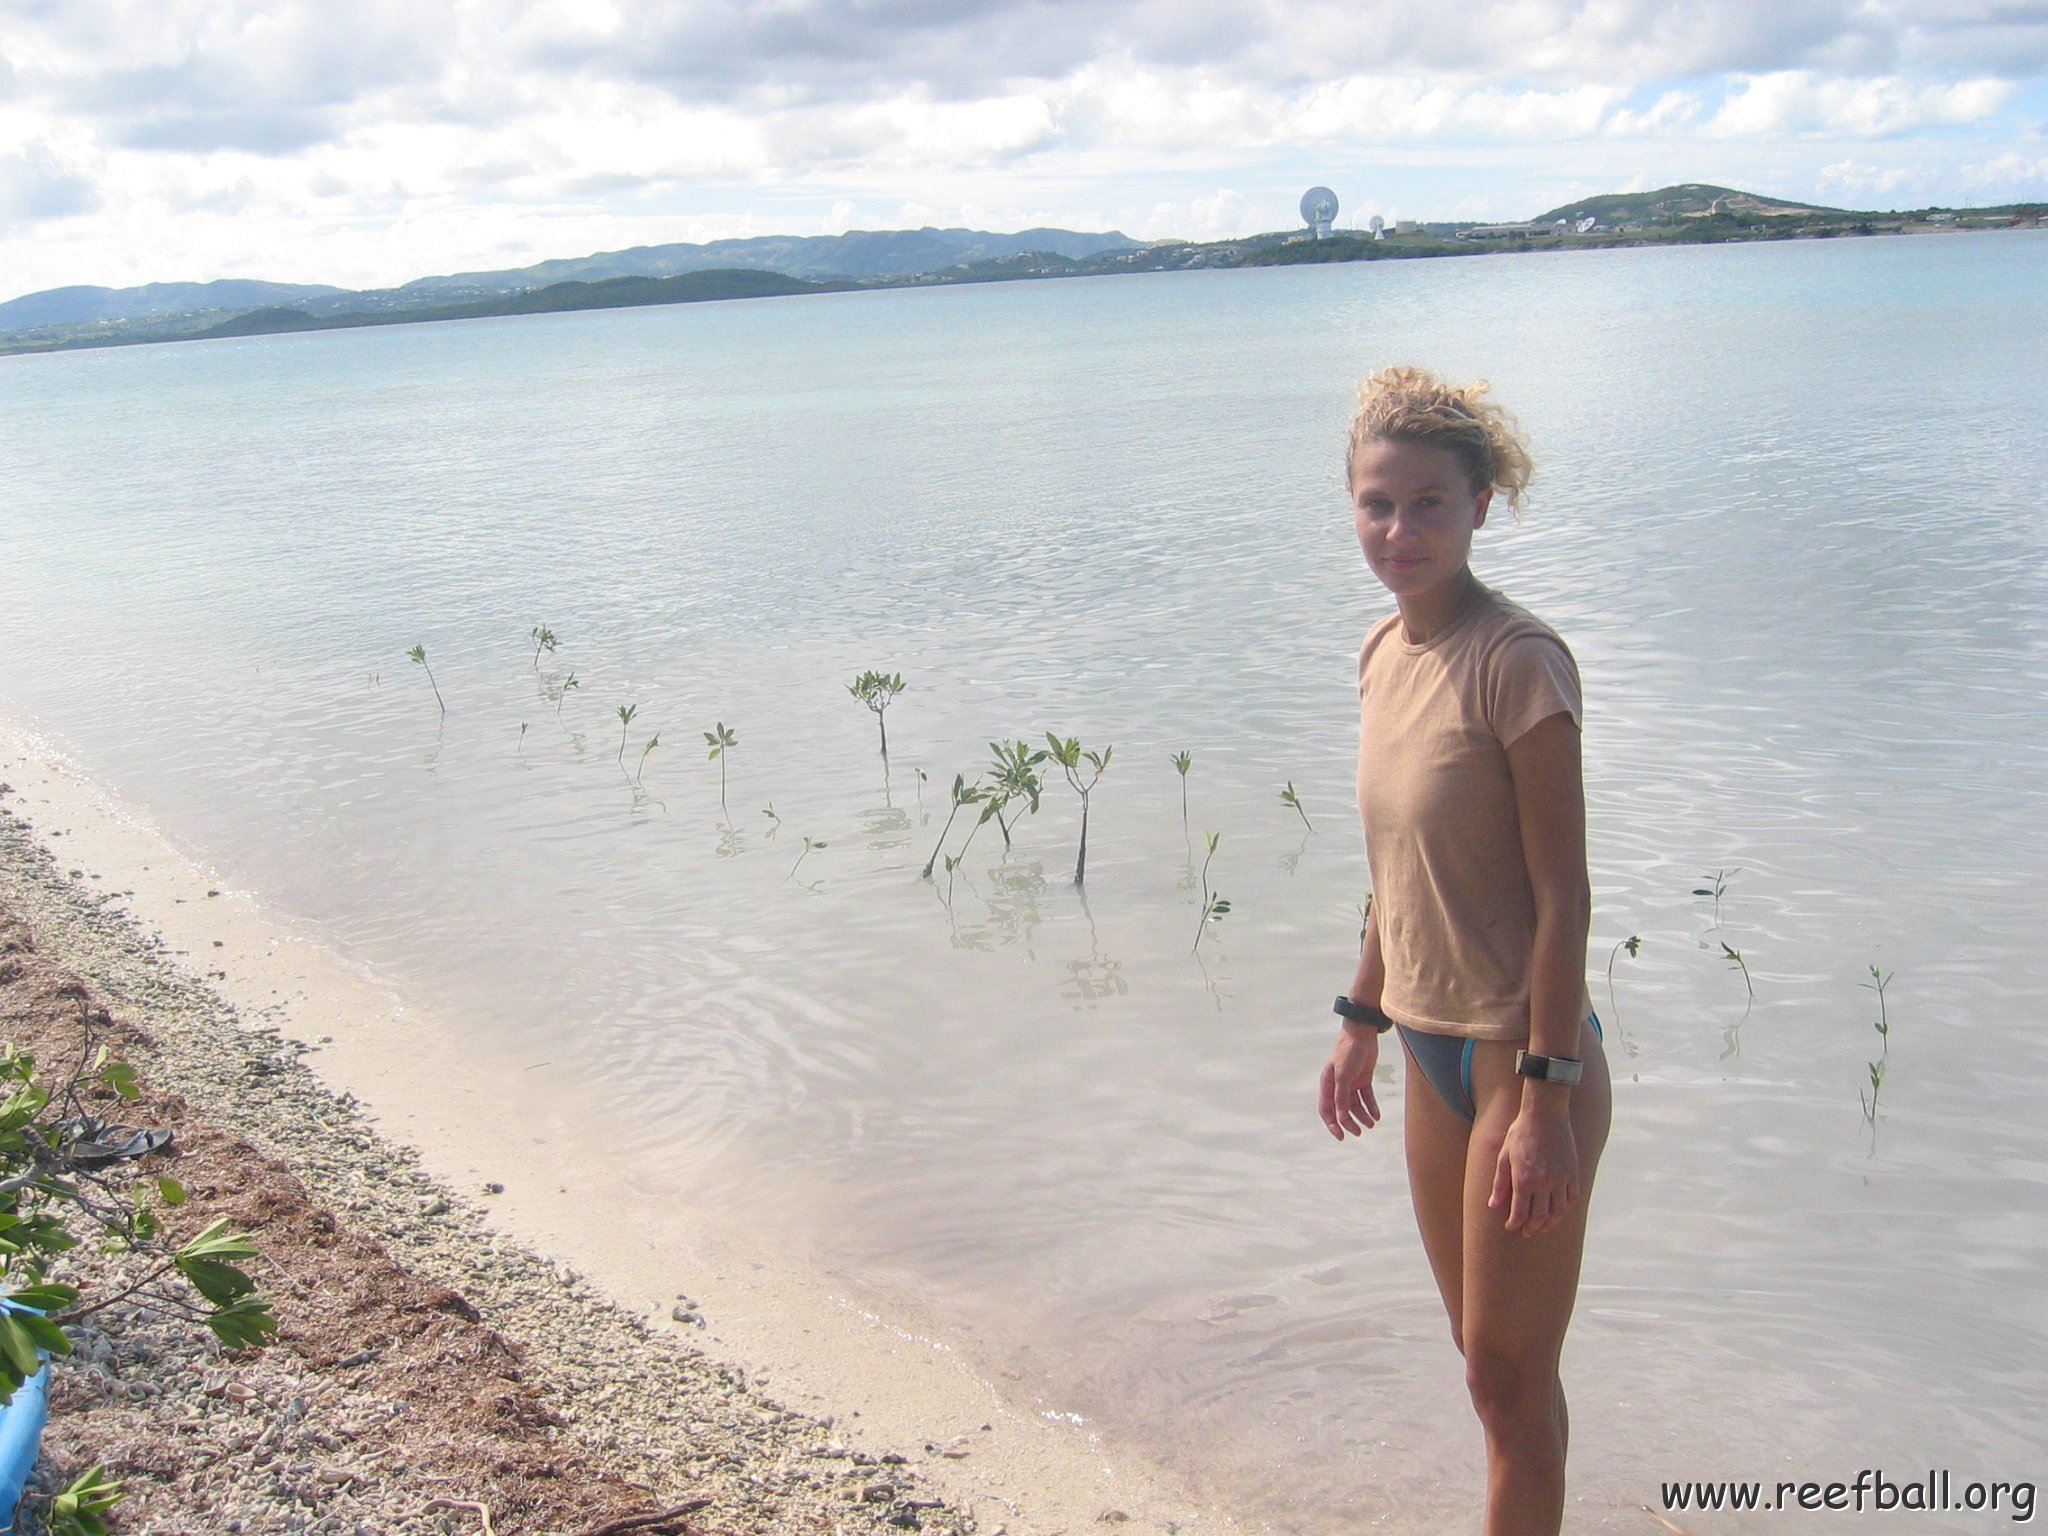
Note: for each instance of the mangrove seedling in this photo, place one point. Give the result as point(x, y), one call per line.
point(1289, 797)
point(1734, 957)
point(964, 793)
point(1213, 905)
point(878, 691)
point(563, 693)
point(543, 640)
point(1068, 753)
point(1632, 943)
point(1870, 1104)
point(652, 742)
point(1182, 762)
point(419, 654)
point(775, 821)
point(626, 713)
point(1014, 777)
point(991, 806)
point(720, 741)
point(1879, 980)
point(522, 738)
point(1364, 918)
point(810, 846)
point(1717, 887)
point(77, 1510)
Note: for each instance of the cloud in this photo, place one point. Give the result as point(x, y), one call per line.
point(2010, 176)
point(1847, 180)
point(1798, 102)
point(827, 50)
point(35, 187)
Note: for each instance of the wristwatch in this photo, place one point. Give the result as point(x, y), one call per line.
point(1549, 1069)
point(1362, 1013)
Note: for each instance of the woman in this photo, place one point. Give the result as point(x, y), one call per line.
point(1475, 948)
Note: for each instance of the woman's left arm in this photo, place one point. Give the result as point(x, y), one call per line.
point(1537, 1178)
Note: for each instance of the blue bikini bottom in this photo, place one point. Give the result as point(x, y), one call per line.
point(1446, 1060)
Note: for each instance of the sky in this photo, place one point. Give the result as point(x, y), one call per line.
point(369, 142)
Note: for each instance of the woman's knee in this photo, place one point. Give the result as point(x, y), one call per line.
point(1511, 1391)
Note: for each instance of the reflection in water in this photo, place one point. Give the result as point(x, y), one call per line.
point(1013, 903)
point(886, 826)
point(1091, 980)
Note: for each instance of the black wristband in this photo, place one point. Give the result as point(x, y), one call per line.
point(1362, 1013)
point(1566, 1070)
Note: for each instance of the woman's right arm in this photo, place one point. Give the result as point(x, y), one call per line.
point(1345, 1096)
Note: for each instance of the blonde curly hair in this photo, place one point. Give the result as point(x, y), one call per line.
point(1412, 405)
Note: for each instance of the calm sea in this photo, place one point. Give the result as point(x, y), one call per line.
point(1787, 513)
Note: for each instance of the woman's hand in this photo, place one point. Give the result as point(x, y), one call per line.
point(1537, 1176)
point(1346, 1097)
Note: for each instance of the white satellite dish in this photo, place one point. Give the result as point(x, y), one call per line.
point(1318, 208)
point(1377, 225)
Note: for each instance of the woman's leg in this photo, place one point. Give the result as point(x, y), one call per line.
point(1517, 1294)
point(1436, 1136)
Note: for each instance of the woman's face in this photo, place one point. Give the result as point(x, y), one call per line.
point(1416, 513)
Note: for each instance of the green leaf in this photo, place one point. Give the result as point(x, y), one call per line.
point(244, 1324)
point(214, 1241)
point(18, 1345)
point(169, 1190)
point(120, 1077)
point(219, 1283)
point(46, 1297)
point(46, 1334)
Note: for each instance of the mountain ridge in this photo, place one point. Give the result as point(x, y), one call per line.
point(855, 255)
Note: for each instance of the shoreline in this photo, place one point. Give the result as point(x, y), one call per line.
point(111, 900)
point(1248, 254)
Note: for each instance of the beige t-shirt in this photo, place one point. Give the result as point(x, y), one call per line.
point(1451, 895)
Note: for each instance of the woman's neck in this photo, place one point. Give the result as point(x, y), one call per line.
point(1425, 614)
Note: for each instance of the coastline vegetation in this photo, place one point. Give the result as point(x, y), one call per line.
point(419, 655)
point(721, 741)
point(1070, 754)
point(878, 691)
point(964, 793)
point(1290, 798)
point(1214, 907)
point(1014, 777)
point(1690, 213)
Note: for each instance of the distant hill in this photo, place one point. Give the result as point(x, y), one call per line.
point(75, 306)
point(884, 254)
point(1675, 205)
point(859, 253)
point(556, 298)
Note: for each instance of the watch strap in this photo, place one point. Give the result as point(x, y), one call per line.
point(1362, 1013)
point(1549, 1069)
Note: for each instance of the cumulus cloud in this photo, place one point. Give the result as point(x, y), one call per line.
point(1797, 101)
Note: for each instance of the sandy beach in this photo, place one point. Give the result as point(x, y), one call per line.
point(487, 1327)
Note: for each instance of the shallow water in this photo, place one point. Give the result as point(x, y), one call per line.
point(1785, 515)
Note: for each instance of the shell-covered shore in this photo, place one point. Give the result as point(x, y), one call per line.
point(430, 1376)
